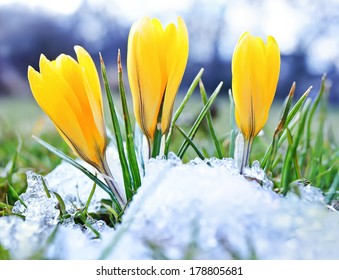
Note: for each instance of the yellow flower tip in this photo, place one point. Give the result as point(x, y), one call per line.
point(81, 52)
point(156, 60)
point(78, 48)
point(155, 23)
point(43, 61)
point(255, 71)
point(271, 40)
point(30, 71)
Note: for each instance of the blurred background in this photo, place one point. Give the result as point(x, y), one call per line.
point(306, 31)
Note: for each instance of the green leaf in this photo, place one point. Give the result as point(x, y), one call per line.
point(117, 132)
point(313, 109)
point(333, 190)
point(90, 197)
point(209, 120)
point(48, 194)
point(180, 109)
point(195, 148)
point(15, 195)
point(280, 135)
point(110, 210)
point(316, 152)
point(287, 172)
point(271, 151)
point(62, 206)
point(198, 121)
point(132, 159)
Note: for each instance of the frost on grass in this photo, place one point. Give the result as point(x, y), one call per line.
point(201, 210)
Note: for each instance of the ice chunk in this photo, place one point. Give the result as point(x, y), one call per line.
point(206, 210)
point(24, 236)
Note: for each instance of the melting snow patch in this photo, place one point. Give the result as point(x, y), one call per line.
point(202, 210)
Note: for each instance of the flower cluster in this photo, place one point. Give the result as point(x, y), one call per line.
point(69, 91)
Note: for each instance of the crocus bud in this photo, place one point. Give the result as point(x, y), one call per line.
point(255, 73)
point(69, 92)
point(156, 61)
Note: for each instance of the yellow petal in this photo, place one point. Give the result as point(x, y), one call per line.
point(133, 73)
point(52, 77)
point(176, 40)
point(156, 60)
point(61, 91)
point(241, 85)
point(145, 74)
point(255, 72)
point(56, 107)
point(91, 83)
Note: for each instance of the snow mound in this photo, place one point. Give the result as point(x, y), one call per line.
point(200, 210)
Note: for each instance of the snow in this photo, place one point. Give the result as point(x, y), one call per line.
point(200, 210)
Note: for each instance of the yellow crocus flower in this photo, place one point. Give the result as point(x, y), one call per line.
point(69, 92)
point(156, 61)
point(255, 73)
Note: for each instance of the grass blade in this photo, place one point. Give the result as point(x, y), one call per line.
point(15, 195)
point(297, 107)
point(132, 159)
point(48, 194)
point(90, 197)
point(118, 136)
point(199, 119)
point(180, 109)
point(271, 151)
point(313, 109)
point(195, 148)
point(333, 190)
point(287, 172)
point(62, 207)
point(317, 151)
point(209, 120)
point(295, 158)
point(282, 134)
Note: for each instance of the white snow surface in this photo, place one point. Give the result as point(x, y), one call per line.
point(200, 210)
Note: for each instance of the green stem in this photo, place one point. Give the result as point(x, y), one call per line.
point(158, 133)
point(111, 182)
point(156, 143)
point(246, 154)
point(233, 125)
